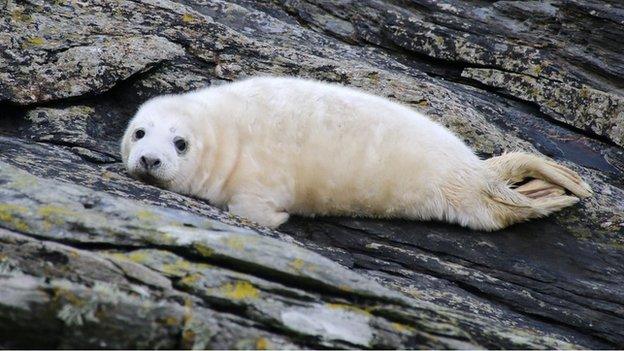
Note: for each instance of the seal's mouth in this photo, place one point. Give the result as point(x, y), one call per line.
point(150, 179)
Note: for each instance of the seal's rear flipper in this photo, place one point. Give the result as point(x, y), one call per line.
point(538, 188)
point(513, 167)
point(508, 206)
point(539, 197)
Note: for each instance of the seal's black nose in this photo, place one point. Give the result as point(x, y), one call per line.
point(149, 163)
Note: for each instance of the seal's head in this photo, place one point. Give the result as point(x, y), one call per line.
point(160, 146)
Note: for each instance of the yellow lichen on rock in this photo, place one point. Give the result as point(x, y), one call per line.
point(240, 290)
point(9, 213)
point(402, 328)
point(346, 307)
point(139, 256)
point(262, 343)
point(34, 41)
point(188, 18)
point(146, 215)
point(177, 268)
point(55, 214)
point(20, 16)
point(203, 250)
point(23, 182)
point(297, 264)
point(190, 279)
point(234, 242)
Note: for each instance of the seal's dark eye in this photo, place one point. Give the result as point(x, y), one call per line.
point(139, 134)
point(180, 145)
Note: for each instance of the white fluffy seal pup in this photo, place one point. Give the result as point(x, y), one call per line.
point(264, 148)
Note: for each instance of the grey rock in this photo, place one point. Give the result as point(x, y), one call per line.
point(582, 107)
point(74, 71)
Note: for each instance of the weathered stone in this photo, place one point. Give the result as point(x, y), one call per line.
point(582, 107)
point(70, 126)
point(63, 214)
point(91, 68)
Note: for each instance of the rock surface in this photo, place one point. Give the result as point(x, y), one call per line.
point(90, 258)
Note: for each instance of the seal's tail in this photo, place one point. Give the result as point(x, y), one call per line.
point(539, 197)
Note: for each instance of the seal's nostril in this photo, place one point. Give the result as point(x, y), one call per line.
point(149, 163)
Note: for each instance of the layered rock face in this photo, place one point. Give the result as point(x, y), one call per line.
point(90, 258)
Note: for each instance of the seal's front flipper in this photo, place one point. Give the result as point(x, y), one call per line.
point(257, 209)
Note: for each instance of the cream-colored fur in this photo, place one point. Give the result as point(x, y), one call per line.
point(265, 148)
